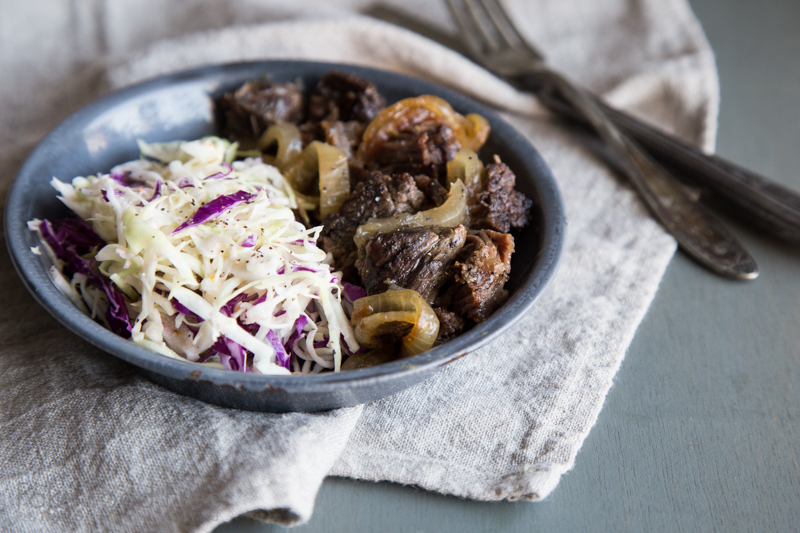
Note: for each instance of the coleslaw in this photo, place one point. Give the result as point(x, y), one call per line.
point(200, 257)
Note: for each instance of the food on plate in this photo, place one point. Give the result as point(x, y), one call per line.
point(318, 233)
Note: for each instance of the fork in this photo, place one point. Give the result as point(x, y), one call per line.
point(496, 44)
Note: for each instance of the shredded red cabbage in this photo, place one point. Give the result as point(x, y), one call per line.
point(353, 292)
point(300, 323)
point(219, 175)
point(125, 179)
point(179, 307)
point(249, 242)
point(105, 194)
point(230, 306)
point(281, 357)
point(232, 355)
point(213, 208)
point(252, 329)
point(70, 231)
point(71, 239)
point(156, 191)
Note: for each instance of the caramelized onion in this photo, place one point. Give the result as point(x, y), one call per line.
point(467, 167)
point(289, 143)
point(396, 315)
point(329, 164)
point(471, 131)
point(448, 215)
point(334, 179)
point(370, 358)
point(304, 170)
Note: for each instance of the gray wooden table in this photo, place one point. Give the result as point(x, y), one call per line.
point(701, 431)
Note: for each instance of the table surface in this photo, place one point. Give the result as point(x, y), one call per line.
point(700, 430)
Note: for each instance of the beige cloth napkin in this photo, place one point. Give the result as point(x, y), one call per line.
point(87, 444)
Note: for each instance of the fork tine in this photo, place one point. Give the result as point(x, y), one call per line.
point(465, 27)
point(472, 27)
point(485, 25)
point(501, 22)
point(506, 28)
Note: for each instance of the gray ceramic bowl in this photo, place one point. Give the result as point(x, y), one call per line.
point(179, 106)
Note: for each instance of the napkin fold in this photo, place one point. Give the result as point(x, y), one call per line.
point(87, 444)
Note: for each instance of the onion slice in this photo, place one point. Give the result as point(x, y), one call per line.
point(448, 215)
point(329, 164)
point(290, 144)
point(395, 315)
point(334, 179)
point(467, 167)
point(370, 358)
point(471, 131)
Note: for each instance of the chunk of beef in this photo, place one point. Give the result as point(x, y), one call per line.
point(256, 105)
point(412, 258)
point(499, 206)
point(450, 325)
point(342, 96)
point(481, 271)
point(345, 136)
point(378, 196)
point(311, 131)
point(433, 189)
point(357, 174)
point(425, 148)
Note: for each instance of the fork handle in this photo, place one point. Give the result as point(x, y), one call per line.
point(765, 203)
point(701, 235)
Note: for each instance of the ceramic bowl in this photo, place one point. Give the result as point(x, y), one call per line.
point(180, 106)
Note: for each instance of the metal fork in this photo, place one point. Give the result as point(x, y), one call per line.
point(497, 45)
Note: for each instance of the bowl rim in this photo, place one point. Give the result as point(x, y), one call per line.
point(38, 283)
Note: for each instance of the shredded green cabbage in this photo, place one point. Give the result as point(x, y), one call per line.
point(247, 270)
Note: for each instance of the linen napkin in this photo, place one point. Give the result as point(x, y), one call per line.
point(87, 444)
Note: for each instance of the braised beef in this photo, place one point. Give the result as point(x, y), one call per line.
point(378, 196)
point(432, 188)
point(460, 271)
point(481, 271)
point(342, 96)
point(344, 135)
point(425, 148)
point(256, 105)
point(412, 258)
point(450, 325)
point(499, 206)
point(357, 174)
point(311, 131)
